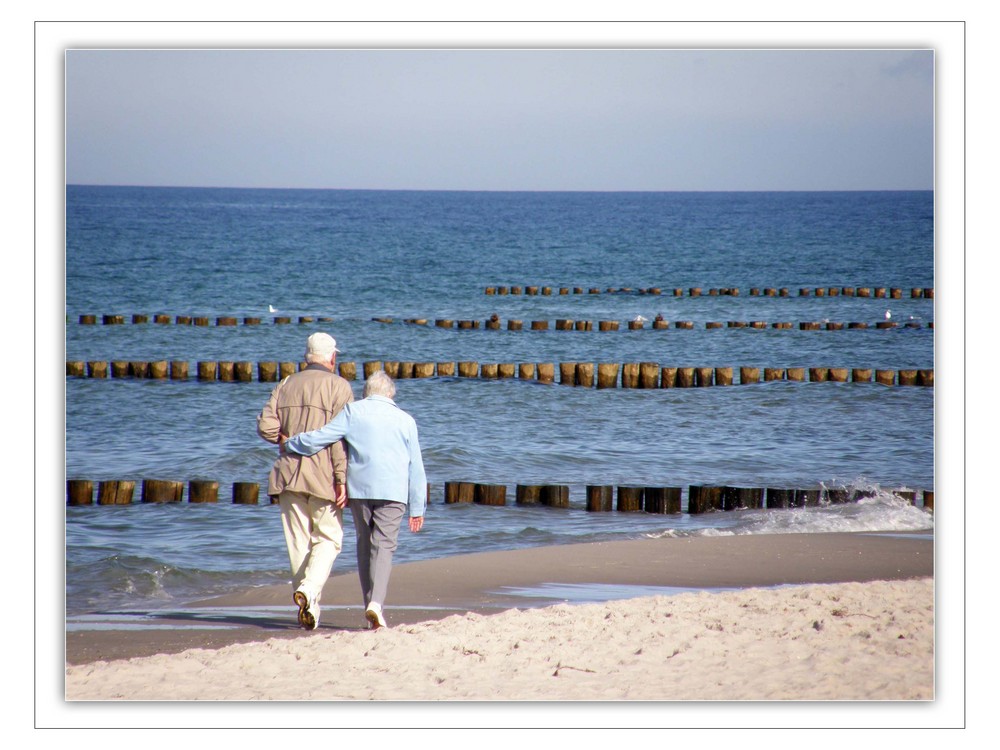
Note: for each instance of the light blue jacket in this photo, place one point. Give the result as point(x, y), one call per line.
point(383, 452)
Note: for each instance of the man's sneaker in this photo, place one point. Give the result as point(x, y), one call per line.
point(374, 615)
point(308, 610)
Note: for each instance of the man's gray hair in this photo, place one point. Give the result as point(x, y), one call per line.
point(379, 384)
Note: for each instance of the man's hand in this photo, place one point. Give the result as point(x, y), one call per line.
point(281, 443)
point(340, 495)
point(416, 524)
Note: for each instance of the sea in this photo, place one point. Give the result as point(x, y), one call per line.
point(380, 267)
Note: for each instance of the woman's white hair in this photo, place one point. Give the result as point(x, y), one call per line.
point(379, 384)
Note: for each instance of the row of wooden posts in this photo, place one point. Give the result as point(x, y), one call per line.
point(600, 498)
point(494, 323)
point(832, 291)
point(565, 324)
point(608, 375)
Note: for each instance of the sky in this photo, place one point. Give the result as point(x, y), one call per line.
point(480, 119)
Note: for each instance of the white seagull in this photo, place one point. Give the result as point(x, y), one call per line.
point(638, 319)
point(272, 308)
point(888, 314)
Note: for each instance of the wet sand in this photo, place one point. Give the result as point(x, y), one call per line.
point(514, 595)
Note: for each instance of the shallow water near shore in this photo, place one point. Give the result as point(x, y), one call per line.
point(354, 256)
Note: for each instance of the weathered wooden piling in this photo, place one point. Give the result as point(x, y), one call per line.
point(928, 498)
point(203, 491)
point(490, 494)
point(838, 495)
point(797, 374)
point(630, 375)
point(907, 377)
point(741, 498)
point(546, 372)
point(607, 325)
point(138, 369)
point(113, 320)
point(880, 292)
point(515, 325)
point(183, 320)
point(780, 498)
point(831, 326)
point(629, 499)
point(607, 374)
point(444, 323)
point(857, 325)
point(528, 494)
point(405, 370)
point(564, 324)
point(115, 492)
point(807, 498)
point(661, 325)
point(139, 319)
point(200, 320)
point(158, 370)
point(446, 369)
point(702, 499)
point(668, 377)
point(251, 321)
point(162, 491)
point(227, 371)
point(422, 370)
point(76, 369)
point(685, 324)
point(749, 375)
point(838, 374)
point(661, 499)
point(391, 368)
point(773, 373)
point(555, 495)
point(600, 498)
point(909, 496)
point(488, 371)
point(97, 369)
point(208, 370)
point(685, 377)
point(885, 377)
point(585, 374)
point(861, 375)
point(526, 370)
point(371, 367)
point(225, 320)
point(723, 375)
point(819, 374)
point(245, 493)
point(703, 376)
point(468, 369)
point(459, 492)
point(635, 325)
point(925, 377)
point(916, 293)
point(88, 320)
point(267, 372)
point(649, 375)
point(539, 325)
point(584, 325)
point(567, 373)
point(79, 492)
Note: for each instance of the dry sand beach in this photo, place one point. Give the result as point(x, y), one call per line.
point(788, 617)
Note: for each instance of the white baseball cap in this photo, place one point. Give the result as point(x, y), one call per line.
point(322, 345)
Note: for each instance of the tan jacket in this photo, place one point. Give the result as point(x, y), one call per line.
point(302, 402)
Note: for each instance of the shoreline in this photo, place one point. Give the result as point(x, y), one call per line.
point(491, 583)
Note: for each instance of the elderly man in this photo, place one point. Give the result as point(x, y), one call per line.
point(311, 490)
point(385, 473)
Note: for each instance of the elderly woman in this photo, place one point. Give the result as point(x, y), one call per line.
point(385, 474)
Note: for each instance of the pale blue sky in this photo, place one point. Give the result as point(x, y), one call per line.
point(502, 120)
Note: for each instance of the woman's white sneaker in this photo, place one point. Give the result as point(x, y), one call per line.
point(374, 616)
